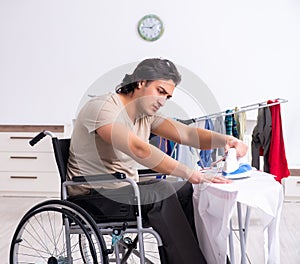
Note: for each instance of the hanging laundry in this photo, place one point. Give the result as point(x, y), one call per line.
point(188, 156)
point(163, 144)
point(277, 158)
point(230, 124)
point(167, 146)
point(172, 149)
point(261, 137)
point(219, 127)
point(241, 122)
point(205, 155)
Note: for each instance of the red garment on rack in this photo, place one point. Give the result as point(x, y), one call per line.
point(277, 159)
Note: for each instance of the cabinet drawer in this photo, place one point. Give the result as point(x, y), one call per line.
point(292, 186)
point(26, 161)
point(29, 182)
point(20, 142)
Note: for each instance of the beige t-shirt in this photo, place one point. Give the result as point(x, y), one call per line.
point(90, 155)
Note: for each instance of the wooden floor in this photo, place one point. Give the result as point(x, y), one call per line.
point(13, 208)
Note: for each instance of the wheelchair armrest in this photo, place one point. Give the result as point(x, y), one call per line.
point(99, 177)
point(148, 172)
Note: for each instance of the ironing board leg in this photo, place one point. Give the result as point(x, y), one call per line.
point(231, 248)
point(241, 233)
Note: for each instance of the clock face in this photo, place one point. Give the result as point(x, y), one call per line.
point(150, 27)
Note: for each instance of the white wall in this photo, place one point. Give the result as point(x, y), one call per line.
point(52, 51)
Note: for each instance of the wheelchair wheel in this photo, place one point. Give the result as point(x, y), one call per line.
point(51, 232)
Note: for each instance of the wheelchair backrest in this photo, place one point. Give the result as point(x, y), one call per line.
point(61, 151)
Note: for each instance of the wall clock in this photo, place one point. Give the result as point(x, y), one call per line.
point(150, 27)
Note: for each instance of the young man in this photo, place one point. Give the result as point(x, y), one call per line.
point(112, 134)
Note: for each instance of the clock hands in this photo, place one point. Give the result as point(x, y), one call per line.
point(148, 27)
point(151, 27)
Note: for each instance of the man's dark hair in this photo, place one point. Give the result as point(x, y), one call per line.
point(149, 70)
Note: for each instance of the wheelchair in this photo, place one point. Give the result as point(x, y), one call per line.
point(61, 231)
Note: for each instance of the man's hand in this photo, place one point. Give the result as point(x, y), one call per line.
point(240, 146)
point(199, 177)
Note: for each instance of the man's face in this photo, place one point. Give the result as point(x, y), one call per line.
point(154, 94)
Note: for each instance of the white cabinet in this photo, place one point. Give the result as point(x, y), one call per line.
point(27, 170)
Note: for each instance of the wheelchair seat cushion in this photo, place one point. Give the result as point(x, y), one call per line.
point(104, 209)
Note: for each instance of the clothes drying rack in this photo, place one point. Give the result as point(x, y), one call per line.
point(233, 111)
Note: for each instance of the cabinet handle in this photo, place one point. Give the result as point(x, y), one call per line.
point(13, 137)
point(22, 157)
point(24, 177)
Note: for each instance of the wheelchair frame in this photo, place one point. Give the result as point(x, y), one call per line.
point(75, 220)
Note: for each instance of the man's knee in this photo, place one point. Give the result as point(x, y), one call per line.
point(184, 189)
point(156, 191)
